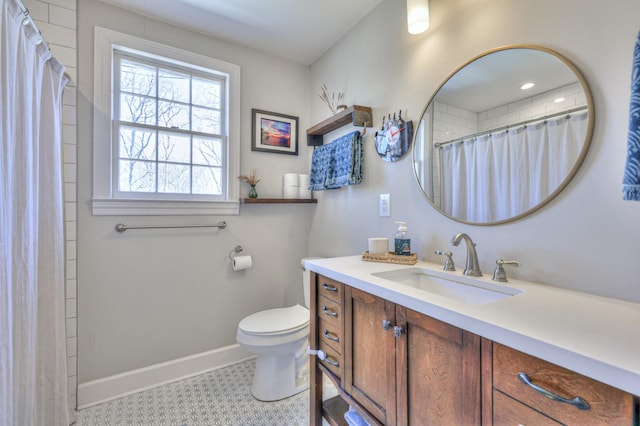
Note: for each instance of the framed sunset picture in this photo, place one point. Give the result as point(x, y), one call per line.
point(274, 132)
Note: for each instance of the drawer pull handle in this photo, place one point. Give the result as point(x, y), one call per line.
point(331, 336)
point(329, 312)
point(577, 402)
point(330, 288)
point(331, 361)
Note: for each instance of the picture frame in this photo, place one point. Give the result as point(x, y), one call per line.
point(274, 132)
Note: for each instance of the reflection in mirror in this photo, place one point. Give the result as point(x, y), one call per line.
point(503, 135)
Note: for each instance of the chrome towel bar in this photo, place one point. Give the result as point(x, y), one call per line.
point(121, 227)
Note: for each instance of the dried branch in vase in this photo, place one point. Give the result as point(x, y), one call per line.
point(251, 179)
point(334, 102)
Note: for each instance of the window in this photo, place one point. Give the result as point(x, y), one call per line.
point(169, 144)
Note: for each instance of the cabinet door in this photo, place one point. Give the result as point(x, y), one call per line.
point(369, 373)
point(438, 371)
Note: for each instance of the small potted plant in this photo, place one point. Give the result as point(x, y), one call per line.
point(252, 180)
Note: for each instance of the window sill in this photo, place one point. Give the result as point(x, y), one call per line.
point(121, 207)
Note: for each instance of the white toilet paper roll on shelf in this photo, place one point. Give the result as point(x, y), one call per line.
point(241, 263)
point(291, 179)
point(304, 191)
point(290, 185)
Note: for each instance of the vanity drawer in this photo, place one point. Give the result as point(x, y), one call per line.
point(330, 289)
point(607, 404)
point(331, 334)
point(330, 311)
point(508, 411)
point(333, 361)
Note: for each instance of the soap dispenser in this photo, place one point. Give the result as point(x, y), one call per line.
point(402, 242)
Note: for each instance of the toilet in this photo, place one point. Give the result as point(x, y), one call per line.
point(279, 337)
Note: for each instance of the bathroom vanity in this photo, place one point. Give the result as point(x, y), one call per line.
point(408, 345)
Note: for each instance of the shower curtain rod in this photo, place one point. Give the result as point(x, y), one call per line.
point(522, 123)
point(28, 20)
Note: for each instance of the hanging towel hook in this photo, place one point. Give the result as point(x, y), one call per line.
point(364, 128)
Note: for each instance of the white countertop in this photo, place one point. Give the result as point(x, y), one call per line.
point(592, 335)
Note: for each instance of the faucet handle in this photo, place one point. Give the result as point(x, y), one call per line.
point(448, 262)
point(500, 274)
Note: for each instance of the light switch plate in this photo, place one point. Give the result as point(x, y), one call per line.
point(385, 205)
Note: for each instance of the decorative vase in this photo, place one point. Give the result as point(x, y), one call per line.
point(252, 192)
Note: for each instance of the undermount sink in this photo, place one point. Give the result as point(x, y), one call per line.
point(461, 288)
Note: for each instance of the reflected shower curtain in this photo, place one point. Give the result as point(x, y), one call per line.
point(497, 176)
point(33, 378)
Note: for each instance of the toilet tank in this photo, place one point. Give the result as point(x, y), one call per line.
point(306, 281)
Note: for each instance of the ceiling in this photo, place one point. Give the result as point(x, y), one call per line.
point(296, 30)
point(494, 80)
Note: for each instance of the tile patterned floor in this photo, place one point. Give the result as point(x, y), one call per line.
point(221, 397)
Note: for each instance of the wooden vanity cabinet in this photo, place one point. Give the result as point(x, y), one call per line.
point(414, 371)
point(508, 400)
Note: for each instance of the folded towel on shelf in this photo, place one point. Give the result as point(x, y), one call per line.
point(338, 164)
point(631, 179)
point(353, 418)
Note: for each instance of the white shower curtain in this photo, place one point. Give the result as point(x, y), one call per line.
point(497, 176)
point(33, 378)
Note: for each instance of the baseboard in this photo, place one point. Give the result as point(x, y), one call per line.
point(119, 385)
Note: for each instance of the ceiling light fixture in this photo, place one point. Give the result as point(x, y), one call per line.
point(558, 100)
point(417, 16)
point(527, 86)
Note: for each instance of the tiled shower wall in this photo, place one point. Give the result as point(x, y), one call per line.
point(56, 19)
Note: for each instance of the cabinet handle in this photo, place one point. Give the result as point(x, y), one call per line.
point(397, 331)
point(577, 402)
point(330, 287)
point(386, 324)
point(329, 312)
point(331, 336)
point(331, 361)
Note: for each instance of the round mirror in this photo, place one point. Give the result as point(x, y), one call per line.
point(503, 135)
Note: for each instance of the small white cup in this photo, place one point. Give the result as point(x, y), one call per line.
point(378, 245)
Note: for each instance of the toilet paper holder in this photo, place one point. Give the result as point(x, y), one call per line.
point(236, 249)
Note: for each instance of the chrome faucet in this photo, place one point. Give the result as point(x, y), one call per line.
point(472, 267)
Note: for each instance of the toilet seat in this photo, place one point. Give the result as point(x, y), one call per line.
point(276, 321)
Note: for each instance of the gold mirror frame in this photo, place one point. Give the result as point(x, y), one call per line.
point(570, 175)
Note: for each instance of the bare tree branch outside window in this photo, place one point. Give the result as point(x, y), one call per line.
point(170, 131)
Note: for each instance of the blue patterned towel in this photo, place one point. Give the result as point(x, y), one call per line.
point(354, 418)
point(337, 164)
point(631, 180)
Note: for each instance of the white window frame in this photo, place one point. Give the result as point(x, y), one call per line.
point(104, 200)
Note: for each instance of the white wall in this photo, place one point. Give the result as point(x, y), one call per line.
point(150, 296)
point(586, 238)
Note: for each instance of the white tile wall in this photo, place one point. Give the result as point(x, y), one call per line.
point(534, 107)
point(56, 20)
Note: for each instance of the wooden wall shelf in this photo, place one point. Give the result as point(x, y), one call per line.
point(279, 201)
point(355, 115)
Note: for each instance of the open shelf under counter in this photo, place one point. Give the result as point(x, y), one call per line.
point(333, 411)
point(279, 201)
